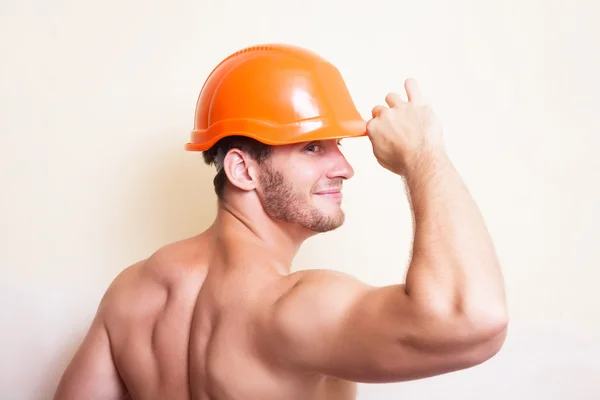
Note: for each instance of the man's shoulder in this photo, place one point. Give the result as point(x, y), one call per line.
point(132, 293)
point(324, 280)
point(308, 305)
point(323, 291)
point(143, 287)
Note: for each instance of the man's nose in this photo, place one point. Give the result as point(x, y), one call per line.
point(340, 167)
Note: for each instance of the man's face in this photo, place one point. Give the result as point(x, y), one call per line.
point(302, 183)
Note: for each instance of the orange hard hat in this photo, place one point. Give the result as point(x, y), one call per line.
point(277, 94)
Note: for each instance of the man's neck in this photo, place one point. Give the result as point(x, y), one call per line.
point(281, 240)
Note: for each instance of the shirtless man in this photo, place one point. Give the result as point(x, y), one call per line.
point(219, 316)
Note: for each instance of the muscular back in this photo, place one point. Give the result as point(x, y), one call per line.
point(182, 326)
point(212, 319)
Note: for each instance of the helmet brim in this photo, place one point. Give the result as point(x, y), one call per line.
point(304, 131)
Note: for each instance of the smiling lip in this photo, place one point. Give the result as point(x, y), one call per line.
point(330, 193)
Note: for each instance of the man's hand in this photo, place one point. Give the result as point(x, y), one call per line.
point(405, 131)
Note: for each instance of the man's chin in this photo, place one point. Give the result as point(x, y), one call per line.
point(333, 222)
point(315, 218)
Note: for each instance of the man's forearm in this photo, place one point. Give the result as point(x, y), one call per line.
point(454, 267)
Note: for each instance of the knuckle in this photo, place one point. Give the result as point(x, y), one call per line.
point(371, 124)
point(427, 111)
point(387, 114)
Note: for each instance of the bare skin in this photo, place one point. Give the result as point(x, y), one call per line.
point(219, 316)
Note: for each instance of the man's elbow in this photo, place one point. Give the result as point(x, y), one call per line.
point(481, 331)
point(492, 343)
point(490, 324)
point(487, 335)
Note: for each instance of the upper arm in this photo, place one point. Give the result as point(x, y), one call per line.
point(91, 374)
point(333, 324)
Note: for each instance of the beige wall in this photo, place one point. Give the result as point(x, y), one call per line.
point(97, 99)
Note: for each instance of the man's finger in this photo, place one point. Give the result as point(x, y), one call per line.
point(393, 99)
point(377, 110)
point(413, 91)
point(371, 126)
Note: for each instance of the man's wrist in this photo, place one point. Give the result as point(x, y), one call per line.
point(426, 165)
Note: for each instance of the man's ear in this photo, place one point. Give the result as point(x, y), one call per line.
point(240, 170)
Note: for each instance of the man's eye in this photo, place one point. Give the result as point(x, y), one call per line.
point(312, 148)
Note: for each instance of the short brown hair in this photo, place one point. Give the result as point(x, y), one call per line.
point(255, 149)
